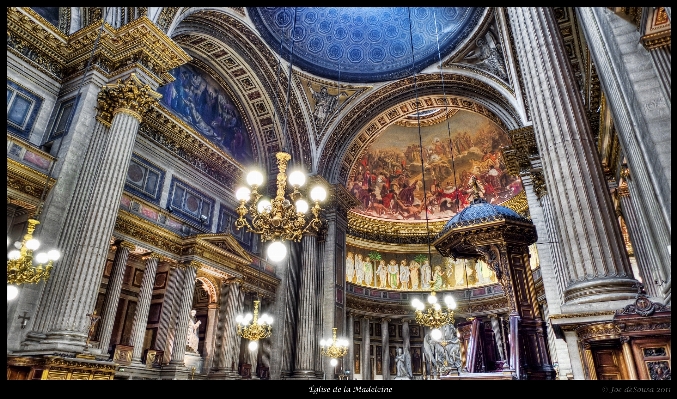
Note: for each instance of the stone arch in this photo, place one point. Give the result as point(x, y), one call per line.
point(211, 288)
point(360, 125)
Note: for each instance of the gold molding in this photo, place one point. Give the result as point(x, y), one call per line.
point(364, 223)
point(130, 96)
point(598, 331)
point(518, 204)
point(578, 315)
point(26, 183)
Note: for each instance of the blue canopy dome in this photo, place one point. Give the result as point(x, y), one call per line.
point(479, 211)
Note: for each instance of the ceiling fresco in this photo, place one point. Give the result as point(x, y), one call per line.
point(199, 100)
point(365, 44)
point(387, 179)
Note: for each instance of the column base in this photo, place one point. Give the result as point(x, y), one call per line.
point(223, 375)
point(603, 289)
point(63, 341)
point(303, 375)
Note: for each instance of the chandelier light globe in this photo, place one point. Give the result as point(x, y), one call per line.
point(54, 255)
point(301, 206)
point(32, 244)
point(17, 244)
point(333, 362)
point(263, 206)
point(254, 178)
point(297, 178)
point(318, 194)
point(12, 292)
point(253, 345)
point(416, 303)
point(436, 334)
point(449, 300)
point(432, 298)
point(41, 258)
point(243, 194)
point(14, 254)
point(239, 319)
point(323, 343)
point(276, 251)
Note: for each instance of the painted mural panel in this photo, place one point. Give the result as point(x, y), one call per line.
point(200, 101)
point(413, 272)
point(388, 180)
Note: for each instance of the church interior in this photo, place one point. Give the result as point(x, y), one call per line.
point(339, 193)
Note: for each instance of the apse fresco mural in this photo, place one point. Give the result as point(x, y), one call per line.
point(200, 101)
point(414, 272)
point(388, 181)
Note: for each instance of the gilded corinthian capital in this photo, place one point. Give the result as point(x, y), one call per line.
point(131, 96)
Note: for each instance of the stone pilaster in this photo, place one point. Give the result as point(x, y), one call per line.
point(366, 357)
point(351, 346)
point(641, 116)
point(73, 291)
point(185, 305)
point(112, 297)
point(598, 270)
point(208, 354)
point(305, 332)
point(385, 348)
point(143, 306)
point(637, 230)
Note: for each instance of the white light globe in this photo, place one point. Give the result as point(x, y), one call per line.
point(276, 251)
point(432, 299)
point(436, 306)
point(32, 244)
point(322, 343)
point(436, 334)
point(333, 362)
point(451, 303)
point(344, 342)
point(270, 320)
point(243, 194)
point(263, 206)
point(318, 194)
point(254, 178)
point(415, 303)
point(247, 317)
point(54, 254)
point(301, 206)
point(239, 319)
point(14, 254)
point(41, 258)
point(297, 178)
point(12, 292)
point(253, 345)
point(17, 244)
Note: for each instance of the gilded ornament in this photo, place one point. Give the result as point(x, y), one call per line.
point(131, 96)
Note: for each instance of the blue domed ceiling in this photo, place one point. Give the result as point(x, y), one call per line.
point(365, 44)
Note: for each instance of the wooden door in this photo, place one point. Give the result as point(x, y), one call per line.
point(652, 357)
point(609, 363)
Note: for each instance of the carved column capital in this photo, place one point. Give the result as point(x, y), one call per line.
point(131, 96)
point(151, 255)
point(188, 264)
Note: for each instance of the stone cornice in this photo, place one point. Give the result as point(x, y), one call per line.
point(26, 183)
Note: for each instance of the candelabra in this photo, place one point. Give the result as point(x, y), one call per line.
point(23, 267)
point(278, 220)
point(334, 348)
point(254, 327)
point(433, 316)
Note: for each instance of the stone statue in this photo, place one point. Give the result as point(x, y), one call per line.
point(193, 338)
point(403, 362)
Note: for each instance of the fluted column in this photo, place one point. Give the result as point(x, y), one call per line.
point(496, 328)
point(593, 247)
point(406, 336)
point(629, 358)
point(385, 344)
point(366, 357)
point(183, 313)
point(642, 117)
point(637, 230)
point(143, 305)
point(208, 353)
point(72, 293)
point(227, 346)
point(286, 312)
point(350, 335)
point(305, 333)
point(168, 316)
point(112, 297)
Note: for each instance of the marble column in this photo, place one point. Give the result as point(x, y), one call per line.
point(496, 328)
point(208, 353)
point(305, 333)
point(185, 304)
point(637, 230)
point(170, 303)
point(598, 270)
point(72, 294)
point(629, 358)
point(406, 336)
point(228, 341)
point(366, 357)
point(350, 335)
point(641, 116)
point(143, 306)
point(286, 299)
point(385, 349)
point(112, 296)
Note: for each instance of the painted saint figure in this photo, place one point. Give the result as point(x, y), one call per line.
point(437, 278)
point(404, 275)
point(393, 274)
point(382, 272)
point(350, 267)
point(426, 275)
point(368, 272)
point(414, 275)
point(359, 269)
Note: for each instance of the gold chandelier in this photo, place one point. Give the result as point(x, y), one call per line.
point(25, 268)
point(334, 348)
point(282, 219)
point(433, 316)
point(253, 327)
